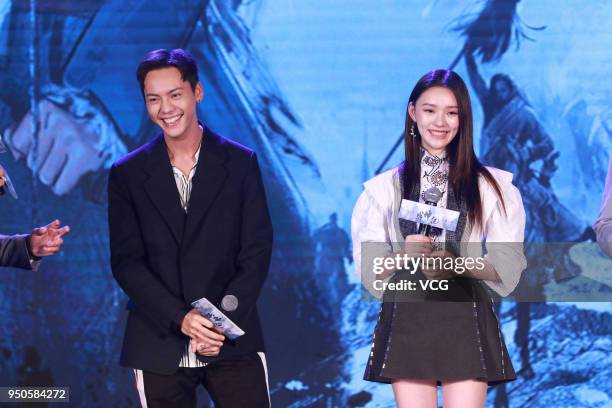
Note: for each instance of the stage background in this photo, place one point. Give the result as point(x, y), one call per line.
point(319, 90)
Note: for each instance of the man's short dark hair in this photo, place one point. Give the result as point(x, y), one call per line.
point(162, 58)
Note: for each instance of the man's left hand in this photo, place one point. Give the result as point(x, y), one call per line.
point(203, 348)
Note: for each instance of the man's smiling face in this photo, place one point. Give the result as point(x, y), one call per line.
point(171, 102)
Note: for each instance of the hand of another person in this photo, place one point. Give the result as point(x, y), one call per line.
point(47, 240)
point(205, 338)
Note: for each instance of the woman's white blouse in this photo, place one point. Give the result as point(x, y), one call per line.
point(375, 219)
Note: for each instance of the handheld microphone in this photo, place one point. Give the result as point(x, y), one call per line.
point(432, 196)
point(229, 303)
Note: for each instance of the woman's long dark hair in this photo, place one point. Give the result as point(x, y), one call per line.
point(464, 166)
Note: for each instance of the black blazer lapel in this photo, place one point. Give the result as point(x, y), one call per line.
point(161, 188)
point(207, 182)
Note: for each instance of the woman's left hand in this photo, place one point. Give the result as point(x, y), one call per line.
point(435, 273)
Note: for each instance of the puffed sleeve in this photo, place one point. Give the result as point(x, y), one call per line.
point(505, 232)
point(369, 224)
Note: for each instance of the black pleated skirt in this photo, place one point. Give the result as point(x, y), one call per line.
point(434, 338)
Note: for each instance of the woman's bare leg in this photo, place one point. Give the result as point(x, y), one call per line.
point(466, 393)
point(415, 393)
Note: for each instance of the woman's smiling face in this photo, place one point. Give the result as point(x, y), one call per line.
point(436, 114)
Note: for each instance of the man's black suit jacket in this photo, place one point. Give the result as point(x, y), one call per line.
point(164, 258)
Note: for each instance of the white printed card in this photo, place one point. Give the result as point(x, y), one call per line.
point(218, 318)
point(428, 214)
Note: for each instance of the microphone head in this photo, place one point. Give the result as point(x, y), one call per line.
point(433, 195)
point(229, 303)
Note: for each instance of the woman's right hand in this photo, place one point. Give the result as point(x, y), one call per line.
point(417, 245)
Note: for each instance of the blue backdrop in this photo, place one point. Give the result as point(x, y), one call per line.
point(319, 90)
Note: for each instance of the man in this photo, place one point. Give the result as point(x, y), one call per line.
point(188, 219)
point(603, 224)
point(84, 91)
point(25, 251)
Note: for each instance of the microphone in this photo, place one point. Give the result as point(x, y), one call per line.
point(432, 196)
point(229, 303)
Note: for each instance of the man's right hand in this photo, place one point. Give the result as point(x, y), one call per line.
point(205, 339)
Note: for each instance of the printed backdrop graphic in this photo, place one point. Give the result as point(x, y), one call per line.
point(319, 90)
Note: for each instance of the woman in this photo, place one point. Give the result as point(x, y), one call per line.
point(457, 344)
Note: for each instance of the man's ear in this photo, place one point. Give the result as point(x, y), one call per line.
point(199, 92)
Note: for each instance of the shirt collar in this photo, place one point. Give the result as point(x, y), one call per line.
point(432, 158)
point(196, 156)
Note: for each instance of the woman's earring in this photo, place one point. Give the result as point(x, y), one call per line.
point(412, 131)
